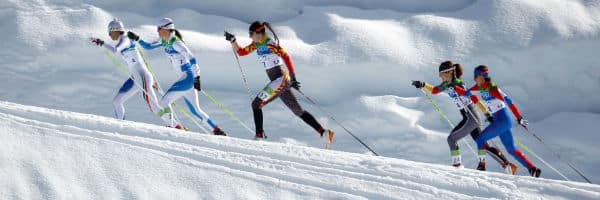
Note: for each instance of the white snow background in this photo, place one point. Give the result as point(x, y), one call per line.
point(356, 58)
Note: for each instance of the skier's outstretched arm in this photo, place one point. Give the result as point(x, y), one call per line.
point(144, 44)
point(149, 46)
point(121, 45)
point(236, 47)
point(429, 88)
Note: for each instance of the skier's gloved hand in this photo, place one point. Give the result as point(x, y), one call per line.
point(97, 41)
point(294, 83)
point(133, 36)
point(155, 85)
point(229, 37)
point(197, 83)
point(418, 84)
point(489, 118)
point(523, 122)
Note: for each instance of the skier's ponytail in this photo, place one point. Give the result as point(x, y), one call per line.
point(448, 66)
point(271, 29)
point(259, 27)
point(178, 34)
point(458, 72)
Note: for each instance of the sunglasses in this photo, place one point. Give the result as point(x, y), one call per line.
point(163, 26)
point(110, 30)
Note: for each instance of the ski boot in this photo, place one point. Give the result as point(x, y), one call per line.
point(260, 136)
point(327, 138)
point(458, 166)
point(481, 166)
point(178, 126)
point(218, 131)
point(510, 168)
point(535, 172)
point(456, 158)
point(481, 156)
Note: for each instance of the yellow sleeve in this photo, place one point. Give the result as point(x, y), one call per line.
point(428, 87)
point(482, 108)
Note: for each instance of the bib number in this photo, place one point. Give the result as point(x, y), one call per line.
point(270, 61)
point(266, 94)
point(495, 106)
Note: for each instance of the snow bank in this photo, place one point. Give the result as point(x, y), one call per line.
point(52, 154)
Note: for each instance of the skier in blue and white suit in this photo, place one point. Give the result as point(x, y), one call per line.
point(184, 63)
point(140, 79)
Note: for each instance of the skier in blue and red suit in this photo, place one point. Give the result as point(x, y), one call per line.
point(500, 125)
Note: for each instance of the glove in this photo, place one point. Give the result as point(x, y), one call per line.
point(229, 37)
point(97, 41)
point(418, 84)
point(133, 36)
point(489, 118)
point(294, 83)
point(523, 122)
point(197, 83)
point(155, 85)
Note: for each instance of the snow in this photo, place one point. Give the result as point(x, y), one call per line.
point(52, 154)
point(356, 58)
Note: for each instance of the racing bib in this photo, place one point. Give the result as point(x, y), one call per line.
point(270, 60)
point(495, 105)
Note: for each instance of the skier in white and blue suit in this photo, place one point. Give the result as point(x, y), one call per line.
point(140, 80)
point(184, 63)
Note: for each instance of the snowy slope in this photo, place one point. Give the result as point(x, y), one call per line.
point(52, 154)
point(356, 57)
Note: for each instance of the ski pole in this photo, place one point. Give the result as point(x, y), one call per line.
point(540, 158)
point(227, 111)
point(558, 155)
point(336, 121)
point(439, 110)
point(523, 146)
point(555, 153)
point(243, 73)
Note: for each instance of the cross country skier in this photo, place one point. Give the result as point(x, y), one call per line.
point(184, 63)
point(270, 53)
point(140, 76)
point(501, 125)
point(452, 85)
